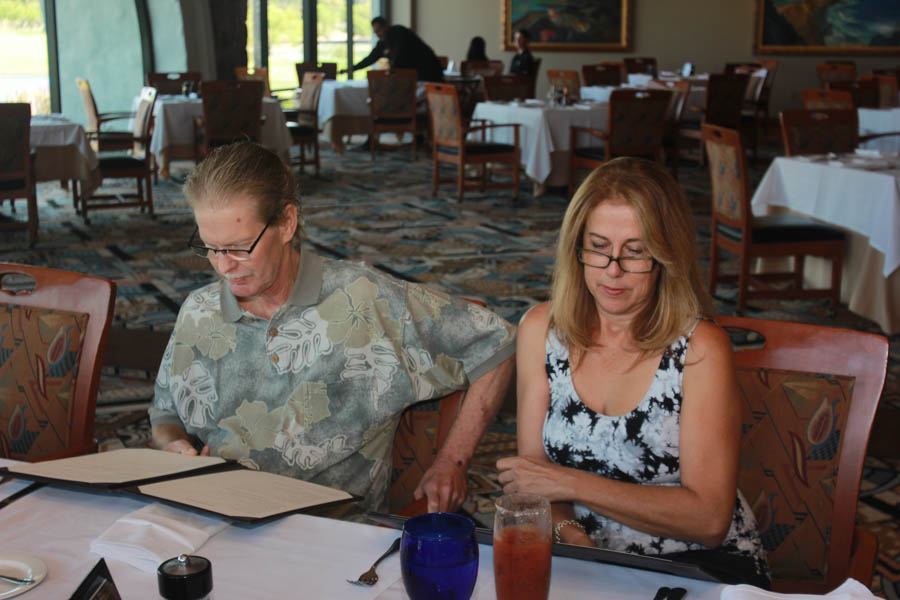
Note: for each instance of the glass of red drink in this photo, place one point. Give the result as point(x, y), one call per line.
point(522, 540)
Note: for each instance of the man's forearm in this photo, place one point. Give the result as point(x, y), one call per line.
point(480, 405)
point(166, 434)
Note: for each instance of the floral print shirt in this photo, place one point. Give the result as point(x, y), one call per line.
point(639, 447)
point(316, 391)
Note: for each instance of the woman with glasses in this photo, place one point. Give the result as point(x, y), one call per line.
point(628, 406)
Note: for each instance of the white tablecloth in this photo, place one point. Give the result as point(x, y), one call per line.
point(867, 203)
point(544, 132)
point(173, 130)
point(63, 152)
point(343, 98)
point(301, 554)
point(880, 120)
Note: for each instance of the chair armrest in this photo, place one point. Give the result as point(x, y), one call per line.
point(493, 125)
point(874, 136)
point(597, 133)
point(863, 552)
point(694, 108)
point(116, 116)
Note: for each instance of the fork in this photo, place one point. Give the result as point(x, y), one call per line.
point(16, 580)
point(370, 577)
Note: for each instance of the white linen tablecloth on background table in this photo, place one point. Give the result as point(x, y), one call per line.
point(63, 152)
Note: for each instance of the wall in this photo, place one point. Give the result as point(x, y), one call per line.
point(707, 32)
point(167, 27)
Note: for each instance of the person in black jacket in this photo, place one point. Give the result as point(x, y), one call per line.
point(406, 50)
point(523, 62)
point(379, 28)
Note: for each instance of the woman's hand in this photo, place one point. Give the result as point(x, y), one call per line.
point(524, 474)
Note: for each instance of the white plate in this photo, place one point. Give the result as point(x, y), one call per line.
point(23, 566)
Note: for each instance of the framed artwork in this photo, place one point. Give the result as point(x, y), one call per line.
point(827, 27)
point(569, 25)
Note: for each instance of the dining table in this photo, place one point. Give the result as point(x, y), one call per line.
point(63, 153)
point(859, 193)
point(343, 110)
point(297, 554)
point(544, 135)
point(880, 120)
point(174, 130)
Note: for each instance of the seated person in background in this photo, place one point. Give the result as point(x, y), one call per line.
point(379, 28)
point(301, 365)
point(406, 50)
point(522, 62)
point(477, 49)
point(628, 405)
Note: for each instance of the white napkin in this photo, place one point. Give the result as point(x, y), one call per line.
point(153, 534)
point(867, 152)
point(849, 590)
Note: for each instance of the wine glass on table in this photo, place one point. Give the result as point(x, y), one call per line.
point(522, 543)
point(439, 557)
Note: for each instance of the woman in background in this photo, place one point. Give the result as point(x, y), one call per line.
point(477, 49)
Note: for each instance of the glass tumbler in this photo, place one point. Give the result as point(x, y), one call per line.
point(439, 557)
point(522, 541)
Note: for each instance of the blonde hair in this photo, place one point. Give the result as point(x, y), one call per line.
point(677, 300)
point(249, 169)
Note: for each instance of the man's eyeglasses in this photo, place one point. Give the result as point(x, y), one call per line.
point(237, 254)
point(629, 264)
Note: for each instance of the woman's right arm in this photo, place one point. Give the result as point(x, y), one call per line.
point(173, 438)
point(533, 394)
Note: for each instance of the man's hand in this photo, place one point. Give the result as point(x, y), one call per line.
point(185, 447)
point(445, 486)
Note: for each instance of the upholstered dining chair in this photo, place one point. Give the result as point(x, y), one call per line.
point(808, 397)
point(734, 228)
point(635, 127)
point(483, 68)
point(887, 89)
point(136, 163)
point(565, 78)
point(102, 139)
point(16, 172)
point(680, 91)
point(640, 64)
point(829, 72)
point(755, 112)
point(173, 83)
point(232, 111)
point(451, 144)
point(605, 73)
point(819, 131)
point(257, 74)
point(865, 93)
point(305, 129)
point(724, 101)
point(506, 87)
point(53, 330)
point(329, 69)
point(392, 105)
point(826, 99)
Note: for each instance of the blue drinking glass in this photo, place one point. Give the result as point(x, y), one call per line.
point(439, 557)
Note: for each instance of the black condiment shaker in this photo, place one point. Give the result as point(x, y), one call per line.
point(185, 577)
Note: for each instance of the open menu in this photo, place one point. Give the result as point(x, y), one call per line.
point(205, 483)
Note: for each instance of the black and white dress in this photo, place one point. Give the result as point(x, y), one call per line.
point(638, 447)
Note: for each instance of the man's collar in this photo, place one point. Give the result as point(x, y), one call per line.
point(307, 287)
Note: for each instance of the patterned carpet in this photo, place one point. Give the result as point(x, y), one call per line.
point(486, 247)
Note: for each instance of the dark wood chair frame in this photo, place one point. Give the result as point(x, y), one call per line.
point(18, 115)
point(391, 122)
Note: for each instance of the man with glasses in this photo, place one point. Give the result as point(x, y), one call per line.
point(301, 365)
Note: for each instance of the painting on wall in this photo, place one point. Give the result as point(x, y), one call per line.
point(827, 27)
point(569, 25)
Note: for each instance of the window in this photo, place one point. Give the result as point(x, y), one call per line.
point(23, 45)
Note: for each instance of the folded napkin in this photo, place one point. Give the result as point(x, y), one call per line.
point(867, 152)
point(153, 534)
point(849, 590)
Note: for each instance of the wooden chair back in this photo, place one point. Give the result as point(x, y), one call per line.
point(865, 92)
point(309, 97)
point(258, 74)
point(741, 67)
point(640, 64)
point(173, 83)
point(328, 68)
point(392, 94)
point(826, 99)
point(92, 118)
point(232, 111)
point(818, 131)
point(829, 72)
point(446, 119)
point(771, 67)
point(637, 121)
point(725, 99)
point(679, 90)
point(887, 89)
point(809, 395)
point(55, 326)
point(483, 68)
point(606, 73)
point(16, 174)
point(728, 179)
point(507, 87)
point(562, 78)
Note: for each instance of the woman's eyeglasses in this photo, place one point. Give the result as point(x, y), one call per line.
point(629, 264)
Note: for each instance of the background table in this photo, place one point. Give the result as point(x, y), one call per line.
point(867, 204)
point(173, 129)
point(63, 152)
point(343, 110)
point(544, 133)
point(300, 552)
point(880, 120)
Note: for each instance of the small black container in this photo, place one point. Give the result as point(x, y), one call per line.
point(185, 577)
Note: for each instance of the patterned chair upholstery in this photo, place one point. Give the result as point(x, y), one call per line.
point(451, 144)
point(809, 395)
point(637, 120)
point(392, 105)
point(865, 93)
point(735, 229)
point(305, 129)
point(826, 100)
point(232, 111)
point(819, 131)
point(16, 176)
point(53, 331)
point(564, 78)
